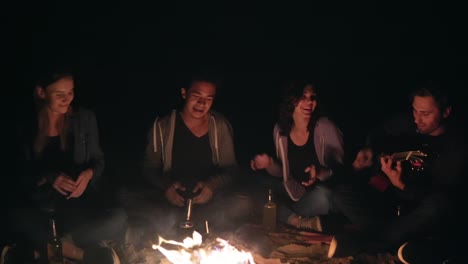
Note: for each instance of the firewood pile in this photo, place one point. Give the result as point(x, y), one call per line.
point(286, 245)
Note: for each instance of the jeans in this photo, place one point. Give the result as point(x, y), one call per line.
point(315, 202)
point(375, 215)
point(432, 216)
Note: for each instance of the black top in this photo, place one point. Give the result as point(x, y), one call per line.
point(191, 156)
point(301, 157)
point(53, 158)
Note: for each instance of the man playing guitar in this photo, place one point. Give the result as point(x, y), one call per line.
point(433, 194)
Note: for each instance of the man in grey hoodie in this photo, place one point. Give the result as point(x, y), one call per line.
point(190, 156)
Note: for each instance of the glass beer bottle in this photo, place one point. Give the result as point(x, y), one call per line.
point(55, 245)
point(269, 213)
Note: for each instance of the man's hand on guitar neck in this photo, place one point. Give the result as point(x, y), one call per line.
point(393, 173)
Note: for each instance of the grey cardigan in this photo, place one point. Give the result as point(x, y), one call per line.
point(157, 163)
point(329, 147)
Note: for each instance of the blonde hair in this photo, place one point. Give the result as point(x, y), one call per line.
point(43, 121)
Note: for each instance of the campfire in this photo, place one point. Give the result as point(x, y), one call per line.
point(193, 251)
point(248, 244)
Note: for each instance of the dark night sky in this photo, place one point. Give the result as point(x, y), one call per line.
point(130, 54)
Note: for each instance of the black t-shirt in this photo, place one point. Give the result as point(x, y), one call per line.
point(301, 157)
point(191, 156)
point(54, 159)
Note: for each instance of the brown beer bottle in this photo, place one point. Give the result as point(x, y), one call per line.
point(269, 213)
point(55, 245)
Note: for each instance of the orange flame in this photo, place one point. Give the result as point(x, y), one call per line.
point(222, 252)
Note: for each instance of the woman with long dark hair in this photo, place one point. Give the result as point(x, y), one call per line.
point(309, 156)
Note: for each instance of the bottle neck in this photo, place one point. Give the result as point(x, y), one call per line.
point(54, 229)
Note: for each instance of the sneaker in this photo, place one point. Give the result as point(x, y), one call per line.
point(422, 251)
point(311, 223)
point(307, 223)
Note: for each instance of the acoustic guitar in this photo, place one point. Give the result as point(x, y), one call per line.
point(413, 162)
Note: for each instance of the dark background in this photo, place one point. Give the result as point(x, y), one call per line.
point(130, 56)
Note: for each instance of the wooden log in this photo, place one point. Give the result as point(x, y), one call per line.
point(302, 239)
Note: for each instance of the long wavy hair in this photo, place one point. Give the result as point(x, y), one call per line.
point(43, 121)
point(293, 92)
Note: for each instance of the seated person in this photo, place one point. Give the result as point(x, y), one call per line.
point(428, 197)
point(309, 158)
point(61, 164)
point(190, 155)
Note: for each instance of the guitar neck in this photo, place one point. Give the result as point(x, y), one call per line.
point(406, 155)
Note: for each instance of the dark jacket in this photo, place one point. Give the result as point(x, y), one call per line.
point(86, 151)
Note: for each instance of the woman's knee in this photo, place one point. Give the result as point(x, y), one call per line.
point(315, 202)
point(319, 194)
